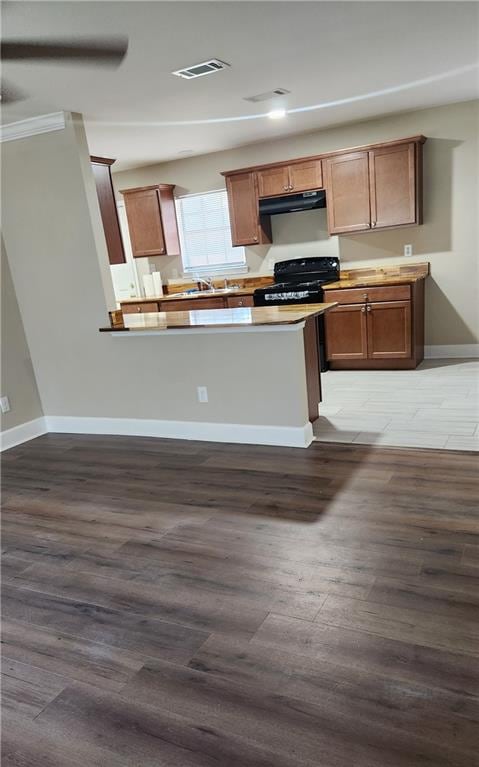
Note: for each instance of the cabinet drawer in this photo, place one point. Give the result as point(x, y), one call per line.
point(192, 304)
point(139, 308)
point(360, 295)
point(234, 302)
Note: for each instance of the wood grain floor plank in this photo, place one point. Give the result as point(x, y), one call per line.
point(198, 608)
point(29, 744)
point(114, 628)
point(395, 658)
point(150, 735)
point(72, 658)
point(27, 690)
point(409, 625)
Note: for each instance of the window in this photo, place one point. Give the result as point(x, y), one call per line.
point(205, 234)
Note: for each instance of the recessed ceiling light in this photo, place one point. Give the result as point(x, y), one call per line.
point(277, 114)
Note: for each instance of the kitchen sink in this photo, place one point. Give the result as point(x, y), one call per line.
point(212, 292)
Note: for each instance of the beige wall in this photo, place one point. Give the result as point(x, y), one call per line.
point(51, 231)
point(448, 238)
point(17, 376)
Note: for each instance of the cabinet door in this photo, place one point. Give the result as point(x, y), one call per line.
point(243, 207)
point(389, 330)
point(273, 181)
point(392, 172)
point(305, 176)
point(347, 189)
point(346, 333)
point(109, 214)
point(144, 223)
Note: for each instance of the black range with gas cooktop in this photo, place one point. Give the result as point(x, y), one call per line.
point(300, 281)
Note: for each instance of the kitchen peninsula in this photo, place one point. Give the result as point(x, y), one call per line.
point(272, 349)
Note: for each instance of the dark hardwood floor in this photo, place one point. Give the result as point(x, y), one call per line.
point(183, 604)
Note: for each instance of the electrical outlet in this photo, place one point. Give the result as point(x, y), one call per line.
point(202, 392)
point(408, 250)
point(4, 404)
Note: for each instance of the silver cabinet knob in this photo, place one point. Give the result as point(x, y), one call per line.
point(369, 308)
point(138, 308)
point(363, 309)
point(374, 223)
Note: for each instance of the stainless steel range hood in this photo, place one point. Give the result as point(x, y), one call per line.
point(291, 203)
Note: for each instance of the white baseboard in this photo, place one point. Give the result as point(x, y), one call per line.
point(451, 351)
point(285, 436)
point(22, 433)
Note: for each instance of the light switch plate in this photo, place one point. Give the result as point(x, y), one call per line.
point(202, 392)
point(408, 250)
point(4, 404)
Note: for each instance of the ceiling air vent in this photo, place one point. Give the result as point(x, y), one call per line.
point(267, 96)
point(198, 70)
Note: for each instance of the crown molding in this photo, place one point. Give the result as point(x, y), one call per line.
point(32, 126)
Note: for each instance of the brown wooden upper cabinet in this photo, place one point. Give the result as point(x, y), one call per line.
point(101, 167)
point(247, 228)
point(290, 179)
point(375, 189)
point(152, 223)
point(378, 186)
point(347, 185)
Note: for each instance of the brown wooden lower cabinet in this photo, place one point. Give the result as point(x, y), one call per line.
point(188, 305)
point(376, 333)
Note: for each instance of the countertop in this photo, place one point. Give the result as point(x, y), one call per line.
point(377, 281)
point(224, 318)
point(389, 274)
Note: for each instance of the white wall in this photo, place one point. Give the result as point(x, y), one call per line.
point(448, 239)
point(52, 237)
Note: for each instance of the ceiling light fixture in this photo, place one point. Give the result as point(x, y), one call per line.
point(277, 114)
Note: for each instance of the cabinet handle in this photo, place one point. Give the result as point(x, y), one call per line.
point(291, 188)
point(255, 238)
point(363, 309)
point(374, 223)
point(368, 224)
point(365, 296)
point(138, 308)
point(285, 188)
point(369, 308)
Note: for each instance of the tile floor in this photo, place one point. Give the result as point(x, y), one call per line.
point(436, 406)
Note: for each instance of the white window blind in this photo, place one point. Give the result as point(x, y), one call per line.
point(205, 234)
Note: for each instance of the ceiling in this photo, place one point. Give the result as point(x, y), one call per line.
point(354, 60)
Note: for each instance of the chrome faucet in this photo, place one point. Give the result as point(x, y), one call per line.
point(208, 282)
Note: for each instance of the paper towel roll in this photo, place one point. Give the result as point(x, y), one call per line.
point(148, 285)
point(157, 284)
